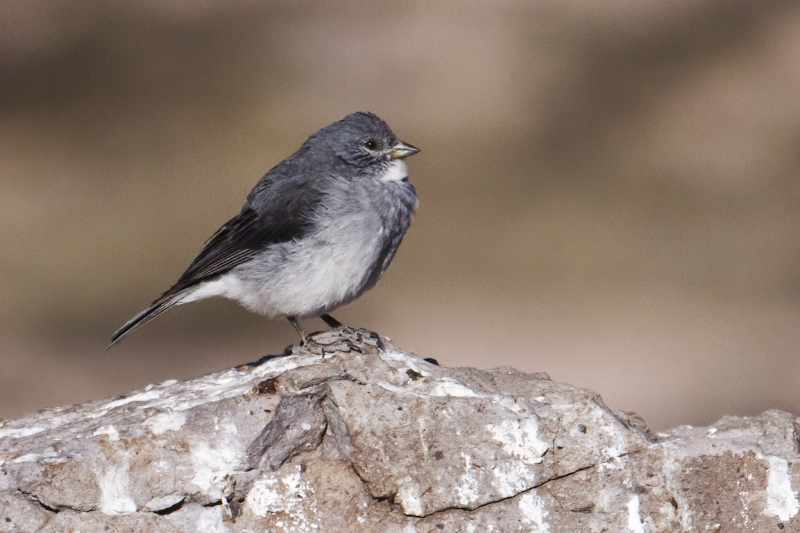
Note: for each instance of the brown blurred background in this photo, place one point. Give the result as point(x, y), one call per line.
point(609, 190)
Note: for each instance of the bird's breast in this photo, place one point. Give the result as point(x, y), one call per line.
point(316, 274)
point(351, 240)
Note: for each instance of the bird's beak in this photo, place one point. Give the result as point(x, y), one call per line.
point(402, 150)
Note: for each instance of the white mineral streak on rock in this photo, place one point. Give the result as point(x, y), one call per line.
point(520, 438)
point(408, 496)
point(509, 403)
point(634, 518)
point(671, 470)
point(279, 365)
point(535, 447)
point(512, 478)
point(108, 430)
point(264, 497)
point(141, 397)
point(533, 512)
point(447, 387)
point(16, 433)
point(173, 396)
point(781, 499)
point(468, 492)
point(287, 494)
point(211, 520)
point(616, 463)
point(163, 422)
point(220, 385)
point(114, 484)
point(152, 394)
point(396, 389)
point(421, 429)
point(405, 358)
point(49, 453)
point(212, 465)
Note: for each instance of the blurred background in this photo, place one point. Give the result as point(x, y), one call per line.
point(609, 190)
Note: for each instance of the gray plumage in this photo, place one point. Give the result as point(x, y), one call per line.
point(316, 232)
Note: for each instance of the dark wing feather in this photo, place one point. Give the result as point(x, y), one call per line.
point(279, 209)
point(233, 244)
point(252, 230)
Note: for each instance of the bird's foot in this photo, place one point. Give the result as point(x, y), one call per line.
point(343, 339)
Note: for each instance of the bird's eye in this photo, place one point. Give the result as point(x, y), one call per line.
point(371, 144)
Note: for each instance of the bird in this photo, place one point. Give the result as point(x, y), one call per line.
point(317, 231)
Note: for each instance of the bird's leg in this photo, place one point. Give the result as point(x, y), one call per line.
point(332, 322)
point(293, 321)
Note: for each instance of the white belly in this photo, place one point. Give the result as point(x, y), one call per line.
point(304, 278)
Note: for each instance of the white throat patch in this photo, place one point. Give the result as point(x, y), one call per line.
point(396, 171)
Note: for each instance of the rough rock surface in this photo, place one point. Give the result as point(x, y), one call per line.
point(352, 434)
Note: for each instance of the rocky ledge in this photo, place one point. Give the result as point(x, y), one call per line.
point(352, 434)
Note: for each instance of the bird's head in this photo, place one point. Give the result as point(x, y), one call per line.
point(362, 140)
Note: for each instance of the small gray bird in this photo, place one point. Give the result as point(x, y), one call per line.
point(315, 233)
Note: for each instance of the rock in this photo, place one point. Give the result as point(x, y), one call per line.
point(352, 434)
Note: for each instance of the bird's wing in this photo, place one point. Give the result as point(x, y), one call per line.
point(269, 216)
point(269, 220)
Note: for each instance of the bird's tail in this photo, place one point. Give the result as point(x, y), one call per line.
point(155, 309)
